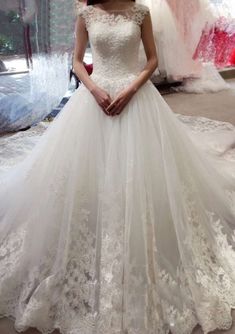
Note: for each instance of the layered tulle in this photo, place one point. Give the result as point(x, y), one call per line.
point(118, 224)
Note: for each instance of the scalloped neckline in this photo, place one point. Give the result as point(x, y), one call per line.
point(107, 11)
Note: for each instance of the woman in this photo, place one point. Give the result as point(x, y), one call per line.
point(117, 222)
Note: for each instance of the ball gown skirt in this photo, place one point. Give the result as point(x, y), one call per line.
point(119, 224)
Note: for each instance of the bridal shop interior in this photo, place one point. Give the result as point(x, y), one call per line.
point(195, 41)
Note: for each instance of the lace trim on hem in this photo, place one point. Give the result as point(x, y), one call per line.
point(190, 326)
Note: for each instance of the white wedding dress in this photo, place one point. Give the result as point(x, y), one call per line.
point(119, 224)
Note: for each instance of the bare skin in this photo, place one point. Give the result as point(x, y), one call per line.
point(117, 105)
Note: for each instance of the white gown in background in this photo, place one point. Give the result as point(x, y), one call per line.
point(119, 224)
point(175, 51)
point(191, 18)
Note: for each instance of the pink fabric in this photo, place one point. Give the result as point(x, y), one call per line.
point(217, 43)
point(232, 59)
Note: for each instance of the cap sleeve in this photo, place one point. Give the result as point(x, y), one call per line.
point(85, 12)
point(140, 12)
point(80, 9)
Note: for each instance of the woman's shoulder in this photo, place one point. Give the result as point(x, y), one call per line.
point(141, 7)
point(83, 10)
point(140, 12)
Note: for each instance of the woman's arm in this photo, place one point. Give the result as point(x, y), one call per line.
point(102, 98)
point(81, 41)
point(150, 51)
point(125, 96)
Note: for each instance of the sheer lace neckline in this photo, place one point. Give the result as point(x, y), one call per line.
point(117, 10)
point(133, 13)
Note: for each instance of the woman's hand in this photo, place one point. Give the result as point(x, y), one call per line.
point(120, 102)
point(102, 98)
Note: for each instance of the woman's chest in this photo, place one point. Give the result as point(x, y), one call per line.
point(110, 33)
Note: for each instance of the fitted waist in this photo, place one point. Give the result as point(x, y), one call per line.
point(113, 85)
point(119, 74)
point(118, 81)
point(115, 68)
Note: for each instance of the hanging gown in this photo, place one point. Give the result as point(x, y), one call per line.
point(174, 58)
point(217, 42)
point(191, 17)
point(118, 224)
point(175, 53)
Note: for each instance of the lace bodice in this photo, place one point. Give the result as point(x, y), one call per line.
point(114, 37)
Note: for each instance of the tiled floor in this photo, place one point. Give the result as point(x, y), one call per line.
point(219, 106)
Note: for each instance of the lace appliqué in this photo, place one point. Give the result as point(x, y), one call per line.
point(69, 291)
point(210, 273)
point(203, 124)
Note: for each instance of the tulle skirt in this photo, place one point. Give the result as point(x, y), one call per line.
point(119, 224)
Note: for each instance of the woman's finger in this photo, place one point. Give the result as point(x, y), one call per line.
point(115, 109)
point(109, 99)
point(104, 110)
point(112, 105)
point(103, 107)
point(118, 110)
